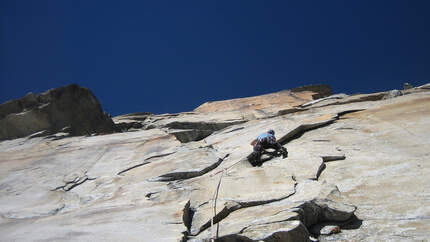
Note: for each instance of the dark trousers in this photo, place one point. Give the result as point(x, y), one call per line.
point(260, 147)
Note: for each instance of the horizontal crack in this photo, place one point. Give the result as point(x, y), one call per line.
point(188, 174)
point(236, 129)
point(145, 162)
point(271, 222)
point(303, 128)
point(158, 156)
point(135, 166)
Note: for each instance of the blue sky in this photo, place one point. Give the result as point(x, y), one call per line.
point(171, 56)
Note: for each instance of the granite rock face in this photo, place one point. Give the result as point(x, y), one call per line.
point(357, 170)
point(72, 108)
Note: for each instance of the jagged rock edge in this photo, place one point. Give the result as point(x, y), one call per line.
point(323, 166)
point(371, 97)
point(301, 211)
point(281, 234)
point(329, 158)
point(308, 104)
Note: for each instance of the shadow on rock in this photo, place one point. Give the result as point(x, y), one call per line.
point(266, 156)
point(329, 228)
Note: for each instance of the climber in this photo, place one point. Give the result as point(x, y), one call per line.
point(265, 141)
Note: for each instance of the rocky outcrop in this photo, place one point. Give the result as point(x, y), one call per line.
point(393, 94)
point(266, 104)
point(71, 107)
point(195, 131)
point(321, 90)
point(132, 121)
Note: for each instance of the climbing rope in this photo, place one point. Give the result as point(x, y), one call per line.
point(215, 198)
point(213, 237)
point(225, 169)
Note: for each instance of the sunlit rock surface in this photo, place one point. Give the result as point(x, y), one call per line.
point(357, 170)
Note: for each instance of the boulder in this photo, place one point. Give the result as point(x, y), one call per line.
point(392, 94)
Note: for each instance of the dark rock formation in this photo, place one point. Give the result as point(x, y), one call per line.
point(130, 125)
point(70, 106)
point(322, 90)
point(195, 131)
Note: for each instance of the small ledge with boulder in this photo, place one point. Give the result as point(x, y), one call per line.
point(194, 131)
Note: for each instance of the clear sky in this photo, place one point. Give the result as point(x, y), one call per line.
point(171, 56)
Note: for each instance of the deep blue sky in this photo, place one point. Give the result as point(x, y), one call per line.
point(171, 56)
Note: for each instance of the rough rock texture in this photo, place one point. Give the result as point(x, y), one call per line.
point(264, 104)
point(70, 107)
point(357, 170)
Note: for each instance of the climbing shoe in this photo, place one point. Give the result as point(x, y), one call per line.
point(284, 153)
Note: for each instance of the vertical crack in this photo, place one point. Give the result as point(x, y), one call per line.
point(187, 218)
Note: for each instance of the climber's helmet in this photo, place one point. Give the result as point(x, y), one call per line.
point(271, 132)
